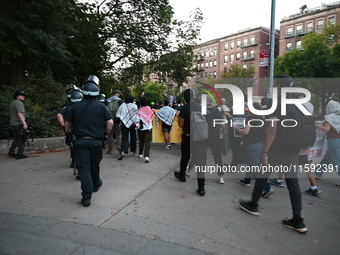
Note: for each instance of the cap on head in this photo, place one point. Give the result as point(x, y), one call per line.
point(117, 91)
point(18, 93)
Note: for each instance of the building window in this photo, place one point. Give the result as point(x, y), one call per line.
point(251, 53)
point(289, 31)
point(251, 64)
point(245, 55)
point(215, 63)
point(331, 20)
point(245, 66)
point(238, 43)
point(226, 46)
point(207, 54)
point(319, 24)
point(309, 27)
point(225, 69)
point(206, 64)
point(238, 56)
point(245, 42)
point(215, 74)
point(202, 66)
point(210, 74)
point(232, 45)
point(299, 29)
point(215, 52)
point(226, 59)
point(298, 45)
point(252, 40)
point(210, 64)
point(289, 45)
point(231, 58)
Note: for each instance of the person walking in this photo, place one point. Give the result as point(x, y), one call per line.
point(127, 114)
point(189, 147)
point(277, 152)
point(89, 121)
point(113, 104)
point(332, 128)
point(253, 139)
point(143, 120)
point(18, 124)
point(166, 114)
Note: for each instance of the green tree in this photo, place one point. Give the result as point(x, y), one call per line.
point(318, 59)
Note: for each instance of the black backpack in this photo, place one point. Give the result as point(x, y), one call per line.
point(303, 134)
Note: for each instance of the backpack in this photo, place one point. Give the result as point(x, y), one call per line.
point(304, 133)
point(198, 127)
point(113, 107)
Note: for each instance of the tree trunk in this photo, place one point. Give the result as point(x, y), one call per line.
point(17, 64)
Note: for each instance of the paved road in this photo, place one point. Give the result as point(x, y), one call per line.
point(142, 209)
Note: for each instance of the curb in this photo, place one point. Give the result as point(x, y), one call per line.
point(40, 144)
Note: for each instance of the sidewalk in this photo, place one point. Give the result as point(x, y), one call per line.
point(142, 209)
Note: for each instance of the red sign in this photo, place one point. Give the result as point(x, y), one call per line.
point(264, 57)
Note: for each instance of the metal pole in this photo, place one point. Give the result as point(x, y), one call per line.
point(272, 49)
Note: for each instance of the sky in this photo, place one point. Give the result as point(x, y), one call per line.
point(240, 14)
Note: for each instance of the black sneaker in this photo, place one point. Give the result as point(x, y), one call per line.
point(249, 207)
point(200, 191)
point(267, 193)
point(85, 202)
point(243, 182)
point(180, 177)
point(95, 189)
point(21, 156)
point(296, 224)
point(11, 154)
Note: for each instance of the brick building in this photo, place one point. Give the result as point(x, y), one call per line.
point(249, 47)
point(294, 27)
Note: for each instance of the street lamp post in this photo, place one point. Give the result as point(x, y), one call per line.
point(272, 49)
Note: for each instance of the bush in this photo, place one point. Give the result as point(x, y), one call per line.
point(42, 104)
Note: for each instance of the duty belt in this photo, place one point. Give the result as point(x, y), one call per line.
point(87, 138)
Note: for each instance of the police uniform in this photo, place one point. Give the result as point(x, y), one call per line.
point(89, 133)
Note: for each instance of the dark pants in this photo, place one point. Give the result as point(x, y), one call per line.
point(213, 143)
point(88, 155)
point(196, 151)
point(291, 179)
point(19, 140)
point(125, 138)
point(145, 138)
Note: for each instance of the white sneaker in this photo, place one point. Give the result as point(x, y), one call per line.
point(187, 172)
point(220, 180)
point(140, 156)
point(167, 147)
point(147, 160)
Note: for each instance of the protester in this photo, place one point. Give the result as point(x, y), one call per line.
point(127, 114)
point(166, 114)
point(113, 104)
point(188, 147)
point(143, 120)
point(278, 153)
point(332, 128)
point(253, 139)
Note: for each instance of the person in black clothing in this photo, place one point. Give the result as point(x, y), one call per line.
point(90, 122)
point(277, 153)
point(213, 141)
point(188, 147)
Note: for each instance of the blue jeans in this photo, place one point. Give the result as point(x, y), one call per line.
point(334, 152)
point(254, 151)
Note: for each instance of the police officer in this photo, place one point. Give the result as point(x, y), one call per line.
point(89, 121)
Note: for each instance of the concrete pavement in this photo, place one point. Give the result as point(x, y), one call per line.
point(142, 209)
